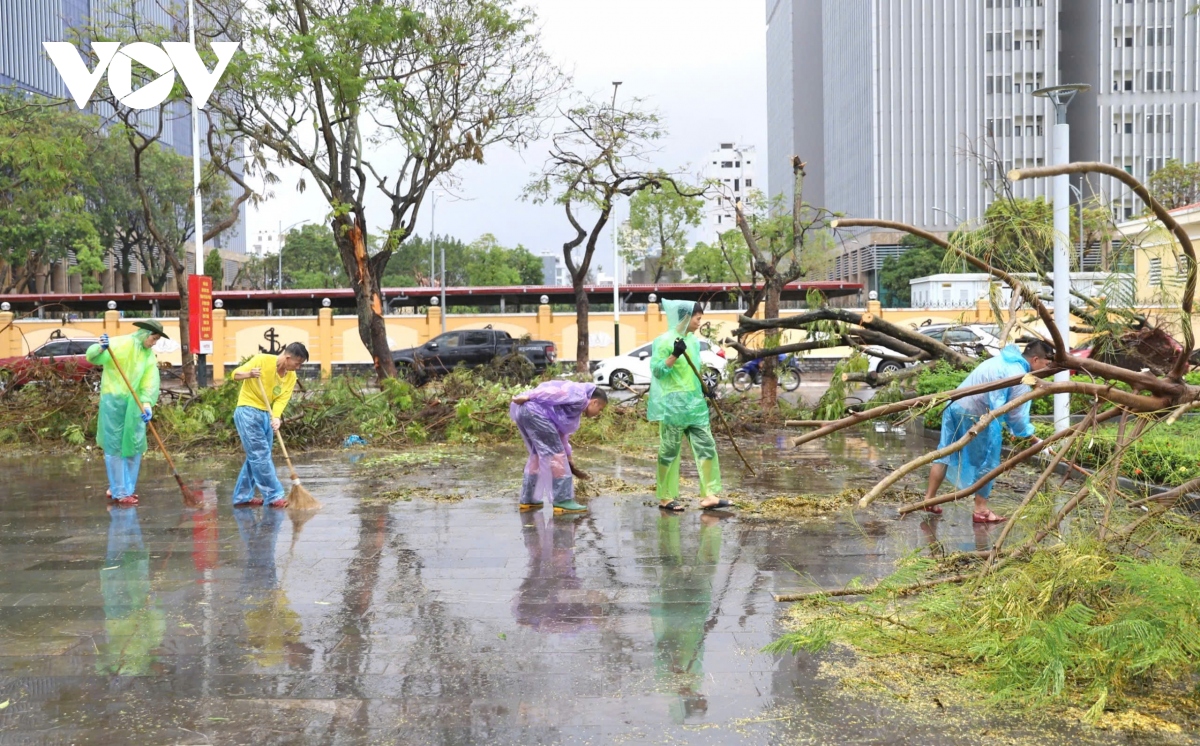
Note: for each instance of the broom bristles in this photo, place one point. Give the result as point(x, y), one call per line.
point(301, 499)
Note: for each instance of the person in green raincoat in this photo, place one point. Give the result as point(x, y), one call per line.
point(121, 428)
point(677, 403)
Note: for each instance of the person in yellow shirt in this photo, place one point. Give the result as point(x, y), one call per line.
point(257, 420)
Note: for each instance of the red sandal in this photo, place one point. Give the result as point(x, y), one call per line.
point(988, 517)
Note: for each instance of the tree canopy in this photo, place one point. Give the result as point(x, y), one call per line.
point(1176, 184)
point(659, 218)
point(921, 258)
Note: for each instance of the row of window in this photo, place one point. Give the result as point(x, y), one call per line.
point(1006, 84)
point(731, 164)
point(1012, 3)
point(1155, 37)
point(1156, 124)
point(1156, 81)
point(1004, 40)
point(1156, 273)
point(1004, 127)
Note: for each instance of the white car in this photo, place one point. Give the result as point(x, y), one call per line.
point(634, 369)
point(971, 339)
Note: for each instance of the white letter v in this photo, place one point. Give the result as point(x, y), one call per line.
point(73, 70)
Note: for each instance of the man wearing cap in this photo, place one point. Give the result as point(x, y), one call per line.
point(121, 427)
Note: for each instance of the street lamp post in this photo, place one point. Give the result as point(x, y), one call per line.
point(1061, 96)
point(616, 259)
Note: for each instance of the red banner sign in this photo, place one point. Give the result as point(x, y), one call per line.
point(200, 320)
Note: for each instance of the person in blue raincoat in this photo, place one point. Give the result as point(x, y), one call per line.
point(982, 454)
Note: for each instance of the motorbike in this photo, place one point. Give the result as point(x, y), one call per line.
point(787, 372)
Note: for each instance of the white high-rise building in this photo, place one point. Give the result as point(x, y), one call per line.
point(265, 243)
point(732, 167)
point(915, 111)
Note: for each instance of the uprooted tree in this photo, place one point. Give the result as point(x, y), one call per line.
point(1110, 536)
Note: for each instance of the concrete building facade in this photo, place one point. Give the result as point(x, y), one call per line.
point(915, 111)
point(733, 168)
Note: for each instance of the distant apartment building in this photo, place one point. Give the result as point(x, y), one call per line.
point(916, 111)
point(731, 167)
point(264, 242)
point(554, 271)
point(25, 67)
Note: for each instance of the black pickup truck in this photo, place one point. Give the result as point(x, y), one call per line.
point(472, 348)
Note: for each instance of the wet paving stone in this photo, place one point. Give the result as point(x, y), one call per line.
point(433, 622)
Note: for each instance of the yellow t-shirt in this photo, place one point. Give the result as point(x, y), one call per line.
point(279, 390)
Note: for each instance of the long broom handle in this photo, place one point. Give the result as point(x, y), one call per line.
point(113, 359)
point(720, 415)
point(278, 435)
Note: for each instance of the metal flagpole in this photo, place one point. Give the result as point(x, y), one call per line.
point(198, 231)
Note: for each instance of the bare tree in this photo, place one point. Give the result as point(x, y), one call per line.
point(782, 251)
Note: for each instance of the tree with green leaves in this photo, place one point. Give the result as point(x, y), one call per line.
point(44, 156)
point(311, 259)
point(597, 156)
point(1176, 184)
point(920, 259)
point(661, 217)
point(214, 267)
point(708, 263)
point(378, 100)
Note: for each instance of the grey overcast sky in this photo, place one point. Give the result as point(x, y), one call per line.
point(699, 63)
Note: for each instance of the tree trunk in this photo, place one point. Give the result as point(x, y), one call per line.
point(582, 309)
point(368, 298)
point(770, 391)
point(188, 360)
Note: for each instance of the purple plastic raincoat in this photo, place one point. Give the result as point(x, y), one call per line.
point(546, 422)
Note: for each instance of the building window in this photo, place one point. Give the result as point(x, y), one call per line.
point(987, 42)
point(737, 185)
point(1029, 131)
point(1129, 128)
point(991, 126)
point(749, 182)
point(1156, 272)
point(737, 164)
point(1129, 41)
point(1159, 37)
point(1017, 45)
point(726, 164)
point(1129, 84)
point(1181, 266)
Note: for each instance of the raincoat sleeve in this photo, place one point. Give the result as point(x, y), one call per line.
point(286, 386)
point(97, 355)
point(663, 346)
point(148, 386)
point(1018, 419)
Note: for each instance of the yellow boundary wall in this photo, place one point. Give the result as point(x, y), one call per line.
point(333, 340)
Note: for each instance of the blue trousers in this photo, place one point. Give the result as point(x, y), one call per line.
point(254, 428)
point(122, 474)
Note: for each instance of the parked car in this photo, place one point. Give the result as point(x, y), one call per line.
point(60, 357)
point(974, 340)
point(633, 369)
point(471, 348)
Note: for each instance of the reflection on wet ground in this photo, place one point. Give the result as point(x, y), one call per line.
point(433, 622)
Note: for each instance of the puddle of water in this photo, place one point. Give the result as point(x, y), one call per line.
point(430, 622)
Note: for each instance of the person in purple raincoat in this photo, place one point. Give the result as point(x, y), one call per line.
point(546, 418)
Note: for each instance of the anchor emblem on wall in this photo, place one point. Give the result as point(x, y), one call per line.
point(273, 347)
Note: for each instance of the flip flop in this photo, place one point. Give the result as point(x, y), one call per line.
point(719, 505)
point(935, 509)
point(988, 517)
point(280, 503)
point(127, 500)
point(672, 507)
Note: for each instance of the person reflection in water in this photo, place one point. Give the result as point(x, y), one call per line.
point(551, 598)
point(273, 628)
point(134, 624)
point(680, 608)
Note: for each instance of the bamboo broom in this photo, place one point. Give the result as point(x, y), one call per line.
point(299, 498)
